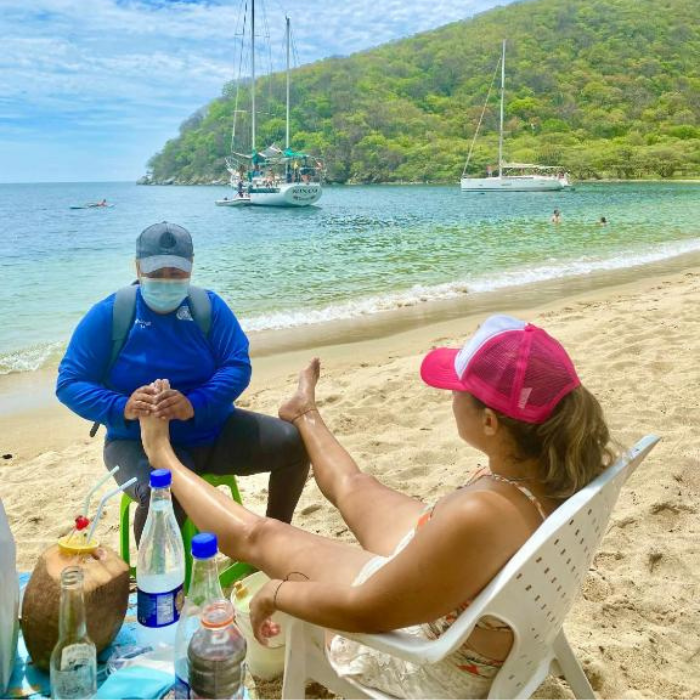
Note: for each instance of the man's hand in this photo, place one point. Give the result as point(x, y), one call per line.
point(140, 403)
point(170, 404)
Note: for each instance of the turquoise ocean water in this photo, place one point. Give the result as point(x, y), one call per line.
point(363, 250)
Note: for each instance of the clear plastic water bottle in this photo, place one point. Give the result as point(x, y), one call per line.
point(216, 655)
point(160, 572)
point(73, 664)
point(204, 588)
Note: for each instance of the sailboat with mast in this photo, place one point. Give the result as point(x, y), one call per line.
point(272, 177)
point(512, 177)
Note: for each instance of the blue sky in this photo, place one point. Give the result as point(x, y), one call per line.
point(91, 89)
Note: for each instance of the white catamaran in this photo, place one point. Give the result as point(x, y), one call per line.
point(513, 177)
point(272, 177)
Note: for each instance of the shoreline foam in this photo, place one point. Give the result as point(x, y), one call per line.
point(377, 315)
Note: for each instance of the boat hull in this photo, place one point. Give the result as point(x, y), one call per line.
point(514, 183)
point(287, 195)
point(235, 202)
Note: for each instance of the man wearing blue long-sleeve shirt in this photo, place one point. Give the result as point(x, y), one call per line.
point(207, 371)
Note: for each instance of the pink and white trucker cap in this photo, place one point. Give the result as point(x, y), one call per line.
point(513, 367)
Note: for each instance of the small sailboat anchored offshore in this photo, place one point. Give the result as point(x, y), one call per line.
point(272, 177)
point(512, 177)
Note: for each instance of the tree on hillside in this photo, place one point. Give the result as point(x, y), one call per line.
point(608, 88)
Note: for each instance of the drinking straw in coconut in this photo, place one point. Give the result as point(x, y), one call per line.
point(86, 502)
point(105, 498)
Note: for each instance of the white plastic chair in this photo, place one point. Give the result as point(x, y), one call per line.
point(532, 594)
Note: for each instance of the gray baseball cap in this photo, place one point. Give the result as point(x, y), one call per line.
point(164, 245)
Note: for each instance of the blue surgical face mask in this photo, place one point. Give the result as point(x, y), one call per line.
point(164, 295)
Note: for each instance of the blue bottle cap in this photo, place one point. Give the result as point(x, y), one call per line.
point(204, 545)
point(160, 478)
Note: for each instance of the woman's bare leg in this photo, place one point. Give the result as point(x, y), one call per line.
point(272, 546)
point(377, 515)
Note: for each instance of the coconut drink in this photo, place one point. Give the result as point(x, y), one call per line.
point(105, 586)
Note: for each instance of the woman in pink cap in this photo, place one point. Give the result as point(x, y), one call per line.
point(516, 397)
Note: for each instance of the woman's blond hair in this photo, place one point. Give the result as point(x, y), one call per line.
point(571, 447)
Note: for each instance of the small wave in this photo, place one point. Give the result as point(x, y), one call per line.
point(419, 294)
point(41, 355)
point(353, 309)
point(28, 359)
point(529, 274)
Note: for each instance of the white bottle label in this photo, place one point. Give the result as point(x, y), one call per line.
point(76, 677)
point(76, 655)
point(159, 609)
point(72, 684)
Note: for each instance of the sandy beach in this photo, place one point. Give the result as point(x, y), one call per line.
point(635, 628)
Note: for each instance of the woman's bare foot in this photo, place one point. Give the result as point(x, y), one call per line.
point(155, 437)
point(304, 398)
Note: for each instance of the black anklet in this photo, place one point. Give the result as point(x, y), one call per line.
point(303, 413)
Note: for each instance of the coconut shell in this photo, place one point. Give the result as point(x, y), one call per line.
point(106, 592)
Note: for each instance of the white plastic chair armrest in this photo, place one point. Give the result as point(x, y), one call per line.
point(415, 649)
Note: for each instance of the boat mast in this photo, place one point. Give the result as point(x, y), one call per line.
point(500, 128)
point(286, 137)
point(252, 70)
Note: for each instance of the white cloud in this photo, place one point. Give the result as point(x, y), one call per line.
point(121, 69)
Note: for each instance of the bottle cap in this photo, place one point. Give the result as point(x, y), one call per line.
point(217, 614)
point(160, 478)
point(204, 545)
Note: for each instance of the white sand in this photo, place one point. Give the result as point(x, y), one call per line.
point(636, 347)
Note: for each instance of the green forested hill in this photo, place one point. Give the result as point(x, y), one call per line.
point(607, 88)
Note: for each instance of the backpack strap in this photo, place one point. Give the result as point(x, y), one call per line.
point(200, 305)
point(123, 313)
